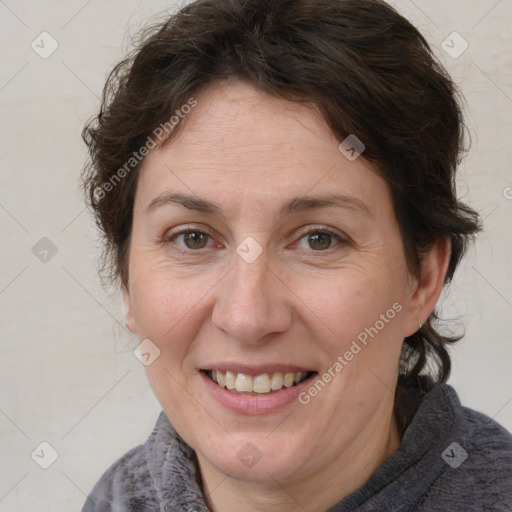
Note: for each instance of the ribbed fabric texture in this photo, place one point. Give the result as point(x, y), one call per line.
point(428, 473)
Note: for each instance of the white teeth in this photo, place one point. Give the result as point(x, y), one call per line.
point(288, 380)
point(230, 379)
point(243, 383)
point(261, 384)
point(264, 383)
point(277, 381)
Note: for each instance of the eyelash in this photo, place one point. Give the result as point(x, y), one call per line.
point(312, 230)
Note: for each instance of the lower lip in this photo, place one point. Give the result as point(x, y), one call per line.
point(246, 404)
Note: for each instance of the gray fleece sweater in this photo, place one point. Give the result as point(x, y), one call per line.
point(452, 459)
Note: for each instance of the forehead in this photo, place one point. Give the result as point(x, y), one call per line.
point(237, 124)
point(238, 141)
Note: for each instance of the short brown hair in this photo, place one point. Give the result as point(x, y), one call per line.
point(368, 70)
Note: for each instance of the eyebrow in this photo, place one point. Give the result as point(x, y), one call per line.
point(294, 205)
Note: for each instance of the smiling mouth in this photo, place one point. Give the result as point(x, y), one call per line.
point(263, 384)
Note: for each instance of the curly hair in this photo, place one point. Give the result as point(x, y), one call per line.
point(368, 70)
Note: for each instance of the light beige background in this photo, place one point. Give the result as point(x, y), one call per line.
point(68, 376)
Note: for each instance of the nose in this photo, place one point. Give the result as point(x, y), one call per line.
point(252, 303)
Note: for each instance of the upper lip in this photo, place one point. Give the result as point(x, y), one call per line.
point(254, 370)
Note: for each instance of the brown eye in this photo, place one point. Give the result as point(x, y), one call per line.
point(319, 241)
point(195, 240)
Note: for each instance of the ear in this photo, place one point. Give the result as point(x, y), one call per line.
point(426, 290)
point(128, 310)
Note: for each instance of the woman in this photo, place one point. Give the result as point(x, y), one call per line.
point(275, 183)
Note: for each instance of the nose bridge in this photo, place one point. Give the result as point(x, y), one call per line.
point(248, 282)
point(251, 304)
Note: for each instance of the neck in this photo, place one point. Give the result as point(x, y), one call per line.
point(349, 471)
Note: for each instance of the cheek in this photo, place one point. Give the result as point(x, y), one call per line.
point(361, 317)
point(343, 308)
point(166, 308)
point(169, 311)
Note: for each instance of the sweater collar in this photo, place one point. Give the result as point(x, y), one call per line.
point(173, 469)
point(404, 477)
point(407, 475)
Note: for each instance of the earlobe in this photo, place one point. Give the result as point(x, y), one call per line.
point(428, 287)
point(129, 319)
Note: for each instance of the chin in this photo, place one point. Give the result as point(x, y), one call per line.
point(256, 458)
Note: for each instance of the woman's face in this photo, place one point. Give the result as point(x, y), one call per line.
point(258, 248)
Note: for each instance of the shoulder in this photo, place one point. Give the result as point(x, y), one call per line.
point(485, 431)
point(160, 474)
point(477, 472)
point(125, 486)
